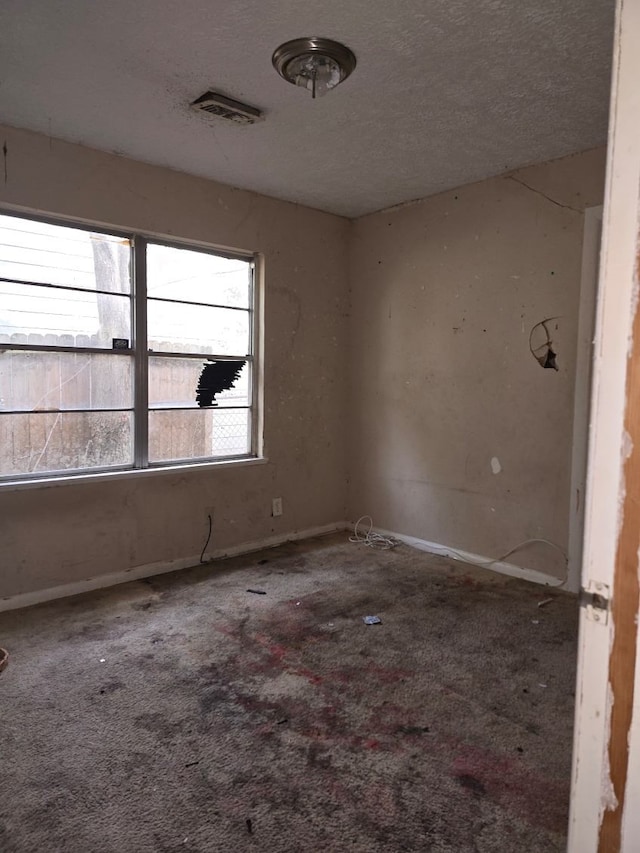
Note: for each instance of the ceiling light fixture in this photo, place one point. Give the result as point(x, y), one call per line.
point(316, 64)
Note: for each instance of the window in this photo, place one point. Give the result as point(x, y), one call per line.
point(120, 352)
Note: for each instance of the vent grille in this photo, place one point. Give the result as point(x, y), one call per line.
point(219, 105)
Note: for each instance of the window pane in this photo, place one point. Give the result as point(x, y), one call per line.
point(198, 434)
point(191, 328)
point(64, 380)
point(197, 276)
point(175, 382)
point(40, 442)
point(55, 254)
point(57, 317)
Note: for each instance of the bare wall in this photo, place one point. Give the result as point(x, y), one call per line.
point(458, 436)
point(67, 533)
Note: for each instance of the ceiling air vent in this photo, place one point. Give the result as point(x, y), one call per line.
point(219, 105)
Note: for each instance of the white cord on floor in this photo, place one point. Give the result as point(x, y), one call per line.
point(485, 564)
point(385, 543)
point(371, 539)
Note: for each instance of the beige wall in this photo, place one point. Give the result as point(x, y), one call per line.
point(67, 533)
point(444, 294)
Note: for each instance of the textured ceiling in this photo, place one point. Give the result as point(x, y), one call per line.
point(445, 92)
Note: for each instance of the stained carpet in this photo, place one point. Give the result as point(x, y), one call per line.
point(186, 714)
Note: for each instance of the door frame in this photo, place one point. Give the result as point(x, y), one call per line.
point(592, 237)
point(606, 759)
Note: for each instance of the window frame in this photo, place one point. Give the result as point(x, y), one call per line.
point(138, 301)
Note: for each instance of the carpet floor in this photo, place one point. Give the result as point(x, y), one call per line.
point(188, 714)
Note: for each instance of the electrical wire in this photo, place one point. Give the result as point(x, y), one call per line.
point(485, 564)
point(202, 560)
point(385, 543)
point(372, 539)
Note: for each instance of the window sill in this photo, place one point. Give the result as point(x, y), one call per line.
point(110, 476)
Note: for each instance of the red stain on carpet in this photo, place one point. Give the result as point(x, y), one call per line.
point(509, 782)
point(390, 728)
point(277, 651)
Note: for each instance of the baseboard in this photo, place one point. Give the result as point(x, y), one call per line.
point(467, 557)
point(40, 596)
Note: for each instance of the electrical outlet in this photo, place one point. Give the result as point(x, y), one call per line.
point(276, 506)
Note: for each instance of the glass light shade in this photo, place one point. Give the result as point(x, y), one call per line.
point(315, 64)
point(315, 72)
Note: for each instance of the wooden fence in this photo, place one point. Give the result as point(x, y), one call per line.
point(57, 410)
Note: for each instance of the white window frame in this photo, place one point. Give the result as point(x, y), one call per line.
point(141, 466)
